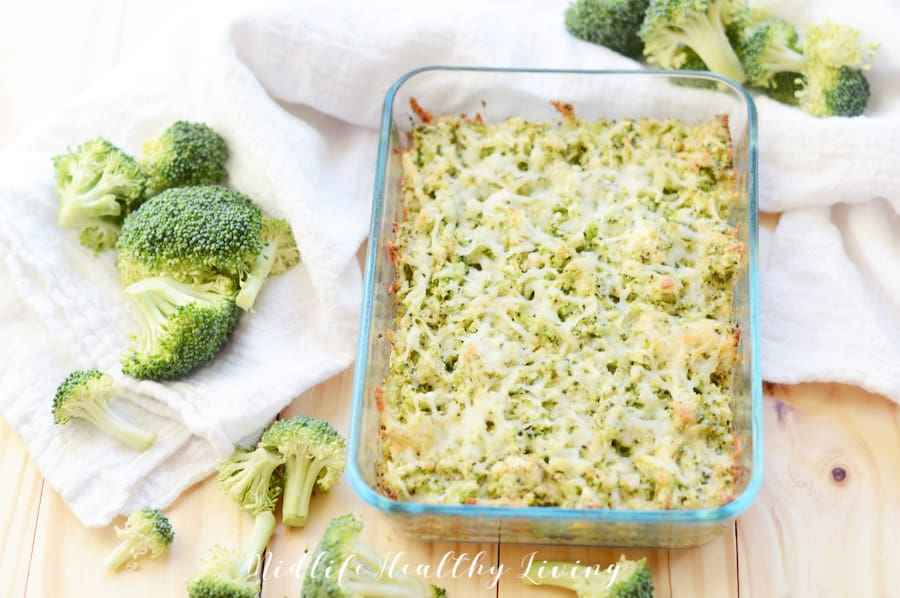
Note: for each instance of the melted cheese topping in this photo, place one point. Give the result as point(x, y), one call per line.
point(563, 332)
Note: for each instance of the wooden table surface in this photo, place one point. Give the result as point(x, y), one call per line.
point(812, 532)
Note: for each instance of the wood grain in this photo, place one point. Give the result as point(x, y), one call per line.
point(19, 507)
point(827, 522)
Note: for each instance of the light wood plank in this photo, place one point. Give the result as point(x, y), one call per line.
point(19, 505)
point(331, 401)
point(816, 530)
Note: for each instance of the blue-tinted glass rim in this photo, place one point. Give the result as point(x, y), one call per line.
point(722, 513)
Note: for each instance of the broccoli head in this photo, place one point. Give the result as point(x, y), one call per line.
point(344, 566)
point(97, 184)
point(611, 23)
point(193, 234)
point(672, 26)
point(279, 253)
point(627, 579)
point(253, 478)
point(86, 394)
point(229, 573)
point(184, 154)
point(145, 531)
point(183, 325)
point(314, 459)
point(771, 49)
point(834, 91)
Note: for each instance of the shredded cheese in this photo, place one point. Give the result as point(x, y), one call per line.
point(563, 330)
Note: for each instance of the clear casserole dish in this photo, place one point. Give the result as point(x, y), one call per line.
point(498, 94)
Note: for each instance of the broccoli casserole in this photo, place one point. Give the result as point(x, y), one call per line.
point(563, 332)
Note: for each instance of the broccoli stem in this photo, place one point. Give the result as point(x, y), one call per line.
point(372, 579)
point(104, 418)
point(263, 527)
point(301, 472)
point(710, 42)
point(258, 274)
point(78, 210)
point(118, 557)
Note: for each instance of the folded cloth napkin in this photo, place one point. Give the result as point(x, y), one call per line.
point(296, 90)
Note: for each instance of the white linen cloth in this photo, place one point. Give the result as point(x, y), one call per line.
point(296, 89)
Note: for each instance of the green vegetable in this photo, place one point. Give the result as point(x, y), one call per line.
point(145, 531)
point(314, 459)
point(279, 253)
point(183, 325)
point(184, 154)
point(253, 478)
point(771, 49)
point(627, 579)
point(672, 26)
point(86, 394)
point(345, 567)
point(611, 23)
point(229, 573)
point(97, 184)
point(834, 91)
point(193, 234)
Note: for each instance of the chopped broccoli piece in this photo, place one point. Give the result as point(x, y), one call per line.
point(314, 458)
point(184, 154)
point(145, 531)
point(183, 325)
point(834, 91)
point(193, 234)
point(278, 254)
point(86, 394)
point(611, 23)
point(347, 567)
point(97, 184)
point(229, 573)
point(627, 579)
point(769, 50)
point(252, 478)
point(671, 26)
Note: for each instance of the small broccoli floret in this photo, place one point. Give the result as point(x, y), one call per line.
point(97, 184)
point(86, 394)
point(193, 234)
point(831, 91)
point(145, 531)
point(627, 579)
point(314, 459)
point(344, 566)
point(252, 478)
point(671, 26)
point(229, 573)
point(610, 23)
point(184, 154)
point(771, 49)
point(279, 253)
point(183, 325)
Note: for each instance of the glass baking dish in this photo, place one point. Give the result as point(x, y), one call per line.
point(497, 94)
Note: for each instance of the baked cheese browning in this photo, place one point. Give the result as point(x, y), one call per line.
point(563, 330)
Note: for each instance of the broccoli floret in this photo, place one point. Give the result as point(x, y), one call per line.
point(86, 394)
point(627, 579)
point(193, 234)
point(97, 184)
point(184, 154)
point(183, 325)
point(229, 573)
point(278, 254)
point(344, 566)
point(145, 531)
point(314, 458)
point(252, 478)
point(831, 91)
point(671, 26)
point(771, 49)
point(610, 23)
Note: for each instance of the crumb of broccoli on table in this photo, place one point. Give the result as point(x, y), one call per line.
point(146, 531)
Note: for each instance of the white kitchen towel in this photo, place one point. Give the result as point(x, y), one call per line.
point(296, 90)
